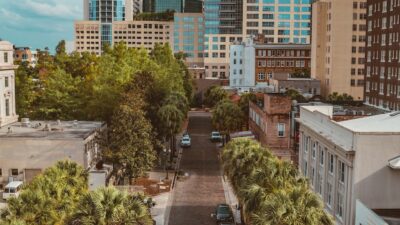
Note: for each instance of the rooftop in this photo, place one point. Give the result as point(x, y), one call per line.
point(383, 123)
point(50, 129)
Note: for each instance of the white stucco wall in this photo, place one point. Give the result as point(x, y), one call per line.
point(375, 184)
point(23, 153)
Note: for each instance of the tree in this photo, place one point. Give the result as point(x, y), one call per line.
point(109, 206)
point(129, 145)
point(295, 95)
point(244, 102)
point(25, 90)
point(227, 117)
point(270, 190)
point(301, 73)
point(50, 198)
point(339, 98)
point(214, 95)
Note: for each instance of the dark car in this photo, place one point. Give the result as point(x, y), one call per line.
point(223, 214)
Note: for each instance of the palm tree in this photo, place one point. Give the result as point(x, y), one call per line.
point(171, 119)
point(109, 206)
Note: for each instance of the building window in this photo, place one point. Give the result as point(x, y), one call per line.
point(340, 205)
point(6, 82)
point(331, 162)
point(14, 172)
point(329, 194)
point(314, 149)
point(281, 129)
point(341, 171)
point(305, 168)
point(261, 76)
point(7, 107)
point(1, 172)
point(6, 57)
point(321, 156)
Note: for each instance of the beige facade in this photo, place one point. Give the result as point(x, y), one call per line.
point(8, 112)
point(338, 46)
point(136, 34)
point(216, 54)
point(350, 160)
point(279, 21)
point(189, 38)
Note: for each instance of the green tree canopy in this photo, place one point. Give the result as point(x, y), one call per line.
point(214, 95)
point(227, 117)
point(271, 191)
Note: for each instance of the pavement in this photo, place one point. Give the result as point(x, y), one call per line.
point(193, 199)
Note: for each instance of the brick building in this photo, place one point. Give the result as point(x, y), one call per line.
point(382, 67)
point(270, 122)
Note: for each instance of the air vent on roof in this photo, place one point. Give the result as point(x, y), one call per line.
point(395, 114)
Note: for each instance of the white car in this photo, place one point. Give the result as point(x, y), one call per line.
point(12, 189)
point(186, 141)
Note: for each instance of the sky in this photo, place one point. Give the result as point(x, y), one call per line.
point(39, 23)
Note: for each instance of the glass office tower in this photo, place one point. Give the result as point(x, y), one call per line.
point(172, 5)
point(280, 21)
point(105, 11)
point(223, 16)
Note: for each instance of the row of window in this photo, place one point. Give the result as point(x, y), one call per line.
point(271, 8)
point(392, 37)
point(282, 63)
point(315, 171)
point(282, 53)
point(384, 22)
point(256, 118)
point(385, 104)
point(280, 1)
point(391, 88)
point(377, 6)
point(13, 172)
point(392, 71)
point(392, 55)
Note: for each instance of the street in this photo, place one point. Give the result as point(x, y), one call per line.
point(195, 198)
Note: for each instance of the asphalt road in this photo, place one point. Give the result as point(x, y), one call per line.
point(196, 197)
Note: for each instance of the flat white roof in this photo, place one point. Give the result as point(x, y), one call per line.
point(385, 123)
point(14, 184)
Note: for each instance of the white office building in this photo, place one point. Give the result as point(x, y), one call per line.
point(7, 89)
point(357, 159)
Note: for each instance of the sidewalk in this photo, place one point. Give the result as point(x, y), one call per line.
point(231, 199)
point(161, 211)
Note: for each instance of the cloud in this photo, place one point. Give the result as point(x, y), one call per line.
point(38, 23)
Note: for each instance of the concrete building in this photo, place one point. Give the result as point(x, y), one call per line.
point(135, 34)
point(253, 64)
point(270, 123)
point(25, 54)
point(306, 86)
point(27, 148)
point(351, 159)
point(7, 84)
point(223, 25)
point(189, 37)
point(283, 21)
point(382, 69)
point(338, 46)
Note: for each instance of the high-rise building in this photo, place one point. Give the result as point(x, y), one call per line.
point(223, 26)
point(382, 68)
point(283, 21)
point(8, 114)
point(171, 5)
point(338, 46)
point(134, 33)
point(111, 21)
point(189, 37)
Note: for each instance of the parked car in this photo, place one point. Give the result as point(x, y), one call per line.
point(186, 141)
point(223, 214)
point(216, 136)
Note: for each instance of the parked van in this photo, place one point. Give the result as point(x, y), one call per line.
point(12, 189)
